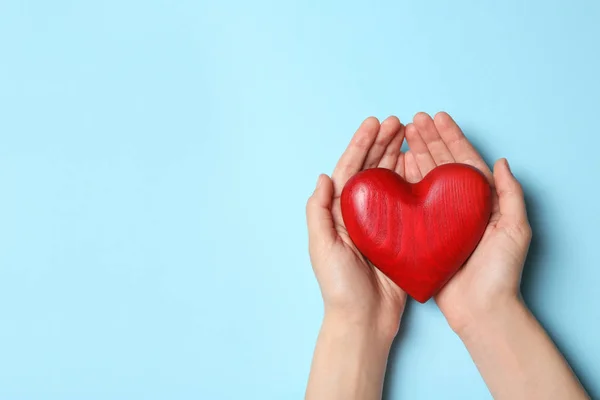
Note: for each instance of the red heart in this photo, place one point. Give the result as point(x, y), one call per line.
point(419, 234)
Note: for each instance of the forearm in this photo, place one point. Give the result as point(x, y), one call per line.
point(349, 361)
point(516, 357)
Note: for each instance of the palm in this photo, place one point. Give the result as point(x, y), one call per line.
point(373, 145)
point(438, 141)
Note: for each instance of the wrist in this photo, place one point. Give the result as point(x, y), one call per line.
point(378, 330)
point(495, 316)
point(350, 360)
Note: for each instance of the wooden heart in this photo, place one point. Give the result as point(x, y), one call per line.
point(418, 234)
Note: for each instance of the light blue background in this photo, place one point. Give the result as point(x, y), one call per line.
point(155, 159)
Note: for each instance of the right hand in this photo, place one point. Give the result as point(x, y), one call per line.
point(352, 288)
point(491, 276)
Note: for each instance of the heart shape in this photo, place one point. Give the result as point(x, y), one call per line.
point(419, 234)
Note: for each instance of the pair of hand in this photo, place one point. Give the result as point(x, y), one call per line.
point(353, 288)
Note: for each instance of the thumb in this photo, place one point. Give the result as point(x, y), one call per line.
point(510, 196)
point(321, 229)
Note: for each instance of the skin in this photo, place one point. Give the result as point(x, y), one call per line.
point(481, 303)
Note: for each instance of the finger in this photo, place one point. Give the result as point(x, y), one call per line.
point(510, 195)
point(392, 152)
point(400, 165)
point(321, 228)
point(411, 169)
point(419, 149)
point(354, 157)
point(430, 135)
point(387, 132)
point(462, 150)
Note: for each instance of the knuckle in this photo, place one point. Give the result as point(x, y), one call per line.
point(518, 189)
point(522, 230)
point(514, 191)
point(527, 231)
point(363, 141)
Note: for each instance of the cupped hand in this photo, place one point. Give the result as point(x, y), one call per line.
point(491, 276)
point(350, 285)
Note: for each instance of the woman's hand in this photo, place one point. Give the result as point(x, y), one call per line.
point(491, 276)
point(362, 306)
point(482, 302)
point(350, 285)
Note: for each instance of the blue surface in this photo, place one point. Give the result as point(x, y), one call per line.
point(155, 159)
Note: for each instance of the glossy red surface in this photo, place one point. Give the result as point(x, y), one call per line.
point(419, 234)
